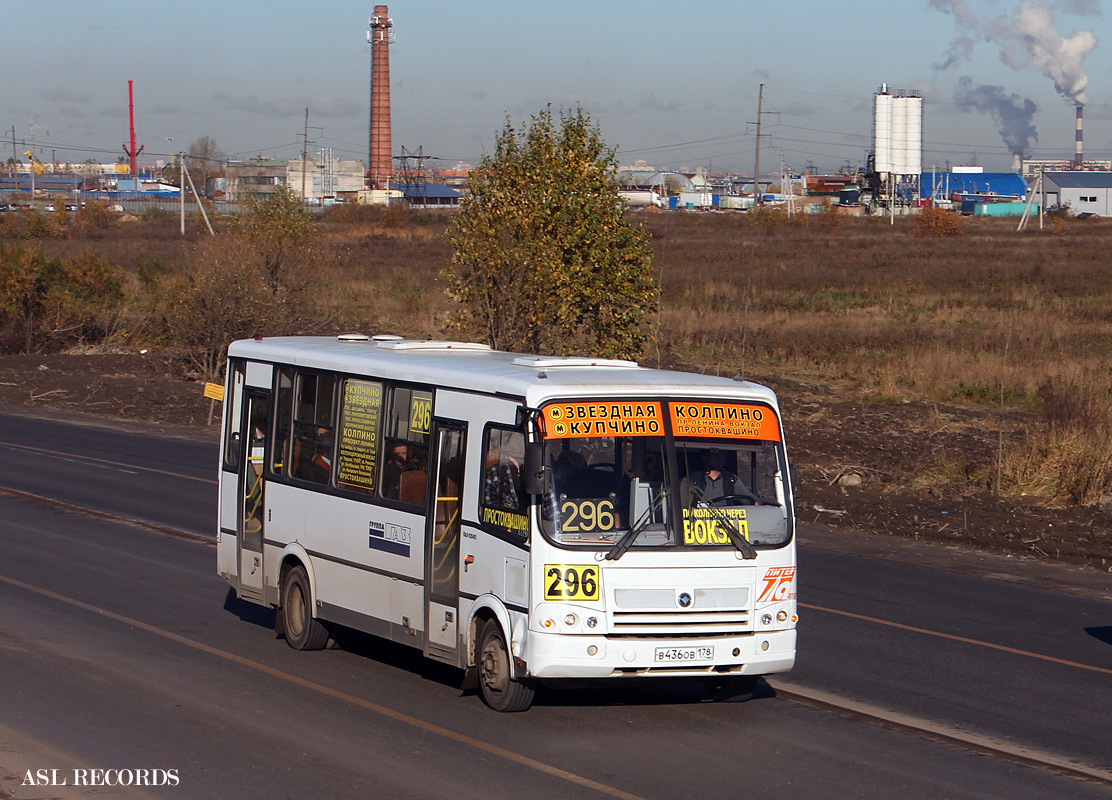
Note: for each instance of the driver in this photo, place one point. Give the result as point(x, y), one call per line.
point(713, 482)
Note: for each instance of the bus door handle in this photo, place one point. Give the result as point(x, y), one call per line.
point(447, 620)
point(468, 560)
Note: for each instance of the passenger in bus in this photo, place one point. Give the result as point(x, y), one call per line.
point(315, 460)
point(501, 480)
point(397, 462)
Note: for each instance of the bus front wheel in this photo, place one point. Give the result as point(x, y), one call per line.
point(497, 686)
point(303, 631)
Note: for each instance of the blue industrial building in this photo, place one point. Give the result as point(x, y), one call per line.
point(944, 185)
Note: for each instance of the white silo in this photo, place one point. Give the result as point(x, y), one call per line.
point(882, 130)
point(898, 132)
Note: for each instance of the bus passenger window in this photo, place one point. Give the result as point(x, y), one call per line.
point(233, 442)
point(405, 464)
point(280, 441)
point(360, 419)
point(314, 441)
point(503, 490)
point(502, 457)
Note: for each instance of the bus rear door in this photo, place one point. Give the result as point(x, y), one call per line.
point(442, 543)
point(249, 532)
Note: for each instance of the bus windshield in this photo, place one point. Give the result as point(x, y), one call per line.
point(680, 491)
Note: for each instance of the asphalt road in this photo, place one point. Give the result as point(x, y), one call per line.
point(120, 649)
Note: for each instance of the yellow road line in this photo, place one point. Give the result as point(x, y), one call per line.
point(390, 713)
point(105, 461)
point(955, 638)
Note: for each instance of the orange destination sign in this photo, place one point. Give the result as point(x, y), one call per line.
point(724, 420)
point(567, 420)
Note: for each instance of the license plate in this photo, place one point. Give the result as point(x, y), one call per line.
point(683, 655)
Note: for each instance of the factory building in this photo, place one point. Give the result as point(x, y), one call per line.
point(319, 181)
point(1082, 192)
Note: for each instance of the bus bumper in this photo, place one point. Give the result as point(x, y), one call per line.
point(563, 656)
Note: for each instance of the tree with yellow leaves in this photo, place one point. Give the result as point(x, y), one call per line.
point(545, 260)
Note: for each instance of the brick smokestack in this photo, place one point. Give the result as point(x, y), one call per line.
point(380, 164)
point(1078, 158)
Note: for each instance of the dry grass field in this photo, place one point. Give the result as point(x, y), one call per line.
point(953, 387)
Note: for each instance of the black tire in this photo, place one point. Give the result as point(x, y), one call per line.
point(303, 631)
point(497, 686)
point(733, 688)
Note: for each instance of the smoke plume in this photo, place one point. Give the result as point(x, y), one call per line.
point(1013, 114)
point(1028, 39)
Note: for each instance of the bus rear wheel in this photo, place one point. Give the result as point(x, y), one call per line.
point(497, 686)
point(733, 688)
point(303, 631)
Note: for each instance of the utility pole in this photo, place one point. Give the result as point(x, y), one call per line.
point(181, 189)
point(786, 186)
point(304, 153)
point(15, 162)
point(32, 157)
point(757, 152)
point(1032, 194)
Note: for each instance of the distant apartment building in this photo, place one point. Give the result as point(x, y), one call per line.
point(1033, 166)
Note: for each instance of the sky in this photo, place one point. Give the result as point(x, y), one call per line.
point(673, 84)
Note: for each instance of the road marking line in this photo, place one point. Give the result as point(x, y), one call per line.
point(935, 731)
point(96, 513)
point(398, 716)
point(956, 638)
point(95, 460)
point(993, 576)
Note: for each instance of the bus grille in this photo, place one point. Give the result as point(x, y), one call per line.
point(679, 623)
point(655, 611)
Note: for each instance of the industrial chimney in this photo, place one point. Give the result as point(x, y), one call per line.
point(380, 162)
point(1078, 158)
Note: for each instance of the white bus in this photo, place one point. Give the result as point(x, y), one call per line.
point(529, 519)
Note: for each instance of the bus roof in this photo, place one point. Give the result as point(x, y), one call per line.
point(475, 367)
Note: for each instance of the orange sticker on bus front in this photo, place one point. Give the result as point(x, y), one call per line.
point(567, 420)
point(724, 420)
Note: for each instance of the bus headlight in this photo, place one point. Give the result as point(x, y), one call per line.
point(570, 620)
point(766, 619)
point(592, 622)
point(782, 616)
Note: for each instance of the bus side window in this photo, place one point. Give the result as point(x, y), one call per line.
point(280, 439)
point(360, 419)
point(314, 442)
point(503, 453)
point(233, 442)
point(407, 426)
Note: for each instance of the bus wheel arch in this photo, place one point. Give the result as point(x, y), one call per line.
point(486, 607)
point(498, 687)
point(295, 618)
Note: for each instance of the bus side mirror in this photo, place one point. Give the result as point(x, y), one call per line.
point(534, 468)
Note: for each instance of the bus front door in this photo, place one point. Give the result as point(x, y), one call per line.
point(442, 537)
point(252, 505)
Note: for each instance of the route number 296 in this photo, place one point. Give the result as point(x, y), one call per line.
point(563, 582)
point(587, 516)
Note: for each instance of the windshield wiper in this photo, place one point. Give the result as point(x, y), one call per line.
point(623, 544)
point(736, 539)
